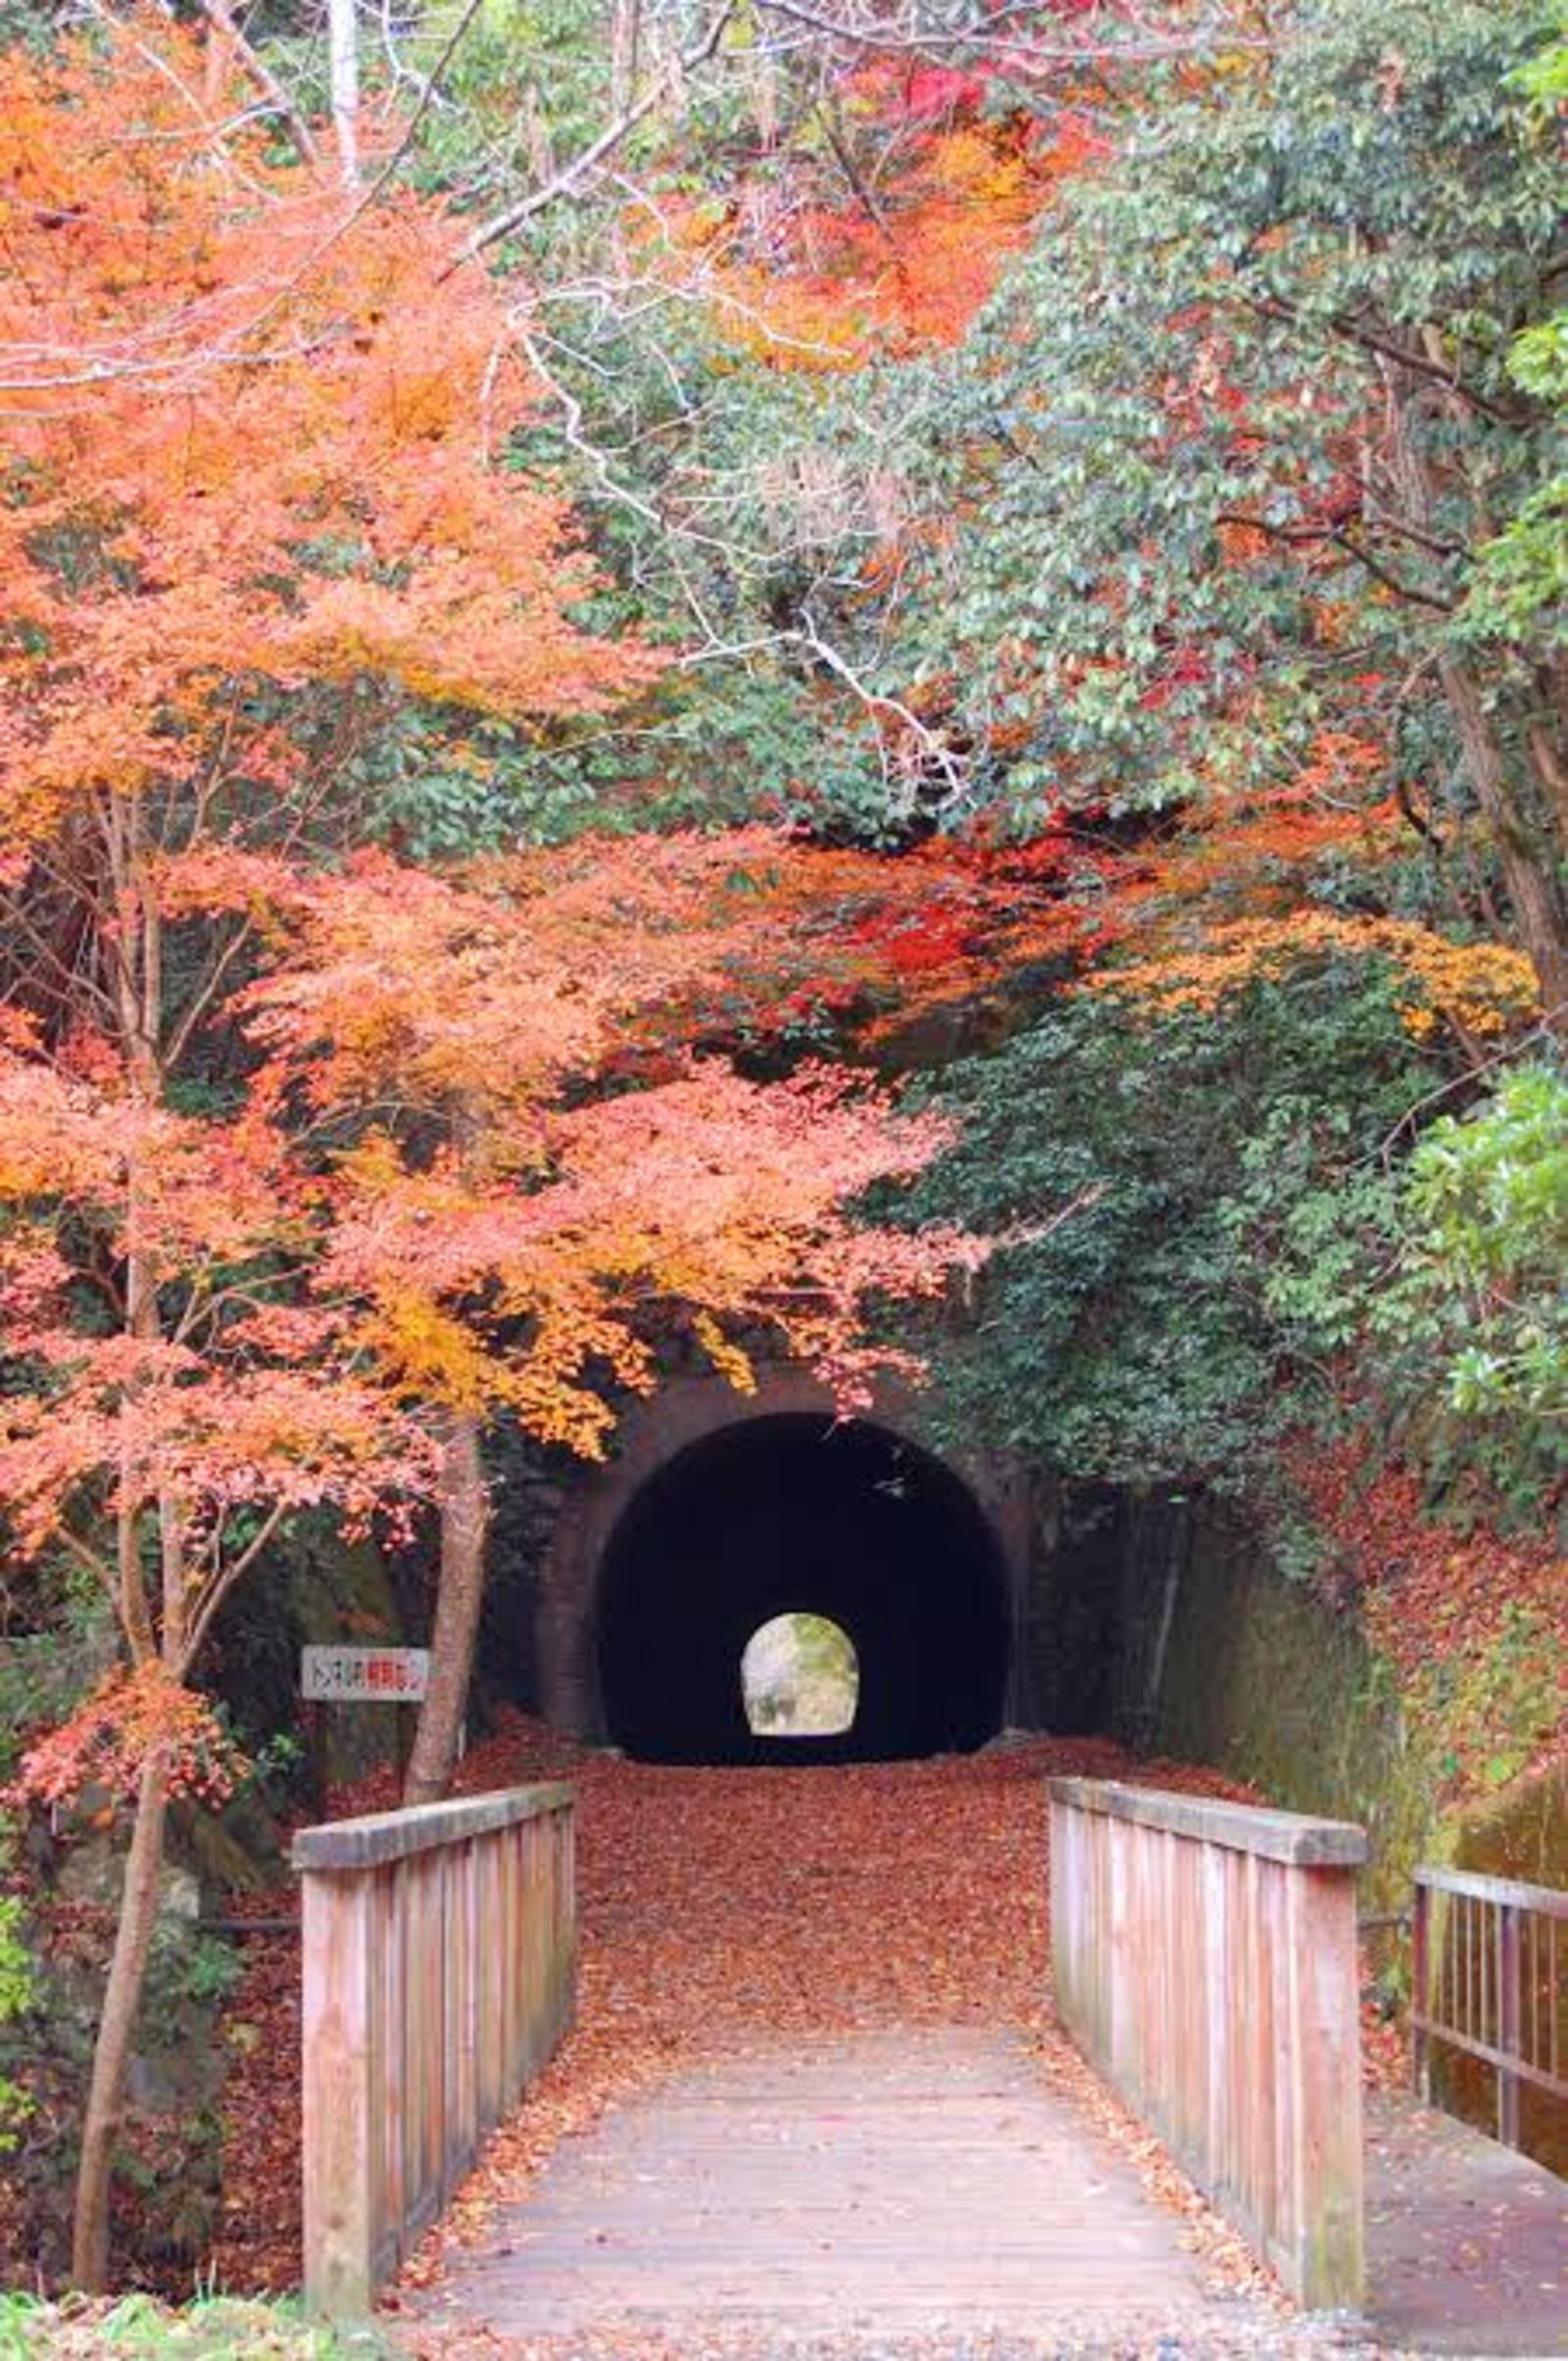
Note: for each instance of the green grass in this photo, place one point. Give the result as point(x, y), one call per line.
point(138, 2327)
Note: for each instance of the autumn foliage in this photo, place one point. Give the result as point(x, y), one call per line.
point(1480, 990)
point(251, 430)
point(255, 429)
point(867, 274)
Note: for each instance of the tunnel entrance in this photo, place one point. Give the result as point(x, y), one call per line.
point(791, 1513)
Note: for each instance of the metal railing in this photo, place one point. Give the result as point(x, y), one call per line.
point(1489, 1958)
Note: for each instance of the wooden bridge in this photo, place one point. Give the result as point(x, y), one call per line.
point(895, 2184)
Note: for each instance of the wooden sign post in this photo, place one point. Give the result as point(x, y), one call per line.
point(360, 1676)
point(365, 1676)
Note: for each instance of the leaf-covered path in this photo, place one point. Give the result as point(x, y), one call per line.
point(815, 2095)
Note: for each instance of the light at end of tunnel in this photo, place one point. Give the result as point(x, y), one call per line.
point(800, 1677)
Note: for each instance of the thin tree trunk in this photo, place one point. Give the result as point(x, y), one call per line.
point(138, 985)
point(625, 43)
point(111, 2057)
point(1552, 772)
point(232, 42)
point(1528, 849)
point(464, 1517)
point(343, 40)
point(1538, 902)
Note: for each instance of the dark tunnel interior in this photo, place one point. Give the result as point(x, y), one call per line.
point(784, 1514)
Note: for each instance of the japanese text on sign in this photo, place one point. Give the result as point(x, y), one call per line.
point(360, 1676)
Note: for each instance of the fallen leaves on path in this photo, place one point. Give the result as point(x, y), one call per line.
point(258, 2246)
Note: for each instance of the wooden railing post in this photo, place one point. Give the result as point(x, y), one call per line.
point(1206, 1963)
point(1509, 1998)
point(1323, 2224)
point(1420, 1998)
point(342, 2202)
point(439, 1949)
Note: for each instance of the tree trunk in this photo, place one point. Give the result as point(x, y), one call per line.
point(343, 46)
point(138, 1916)
point(138, 987)
point(626, 41)
point(465, 1515)
point(1527, 867)
point(1552, 771)
point(1529, 845)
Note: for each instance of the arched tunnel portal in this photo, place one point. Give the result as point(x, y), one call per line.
point(782, 1513)
point(717, 1513)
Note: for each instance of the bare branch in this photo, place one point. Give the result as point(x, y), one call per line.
point(565, 182)
point(933, 747)
point(986, 34)
point(257, 70)
point(221, 1584)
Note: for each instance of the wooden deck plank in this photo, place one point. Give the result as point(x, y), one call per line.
point(910, 2180)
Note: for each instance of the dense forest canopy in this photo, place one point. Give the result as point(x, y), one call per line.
point(699, 674)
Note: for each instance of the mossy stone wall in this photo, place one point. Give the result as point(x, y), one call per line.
point(1261, 1677)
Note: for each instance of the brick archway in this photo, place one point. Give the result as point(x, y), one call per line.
point(688, 1412)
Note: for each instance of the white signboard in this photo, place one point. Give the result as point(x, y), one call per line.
point(365, 1676)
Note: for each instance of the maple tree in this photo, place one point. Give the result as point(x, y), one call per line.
point(1480, 988)
point(333, 1333)
point(253, 425)
point(161, 1418)
point(886, 263)
point(250, 431)
point(513, 1224)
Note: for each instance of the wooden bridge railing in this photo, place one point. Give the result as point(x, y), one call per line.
point(1489, 1962)
point(439, 1966)
point(1204, 1958)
